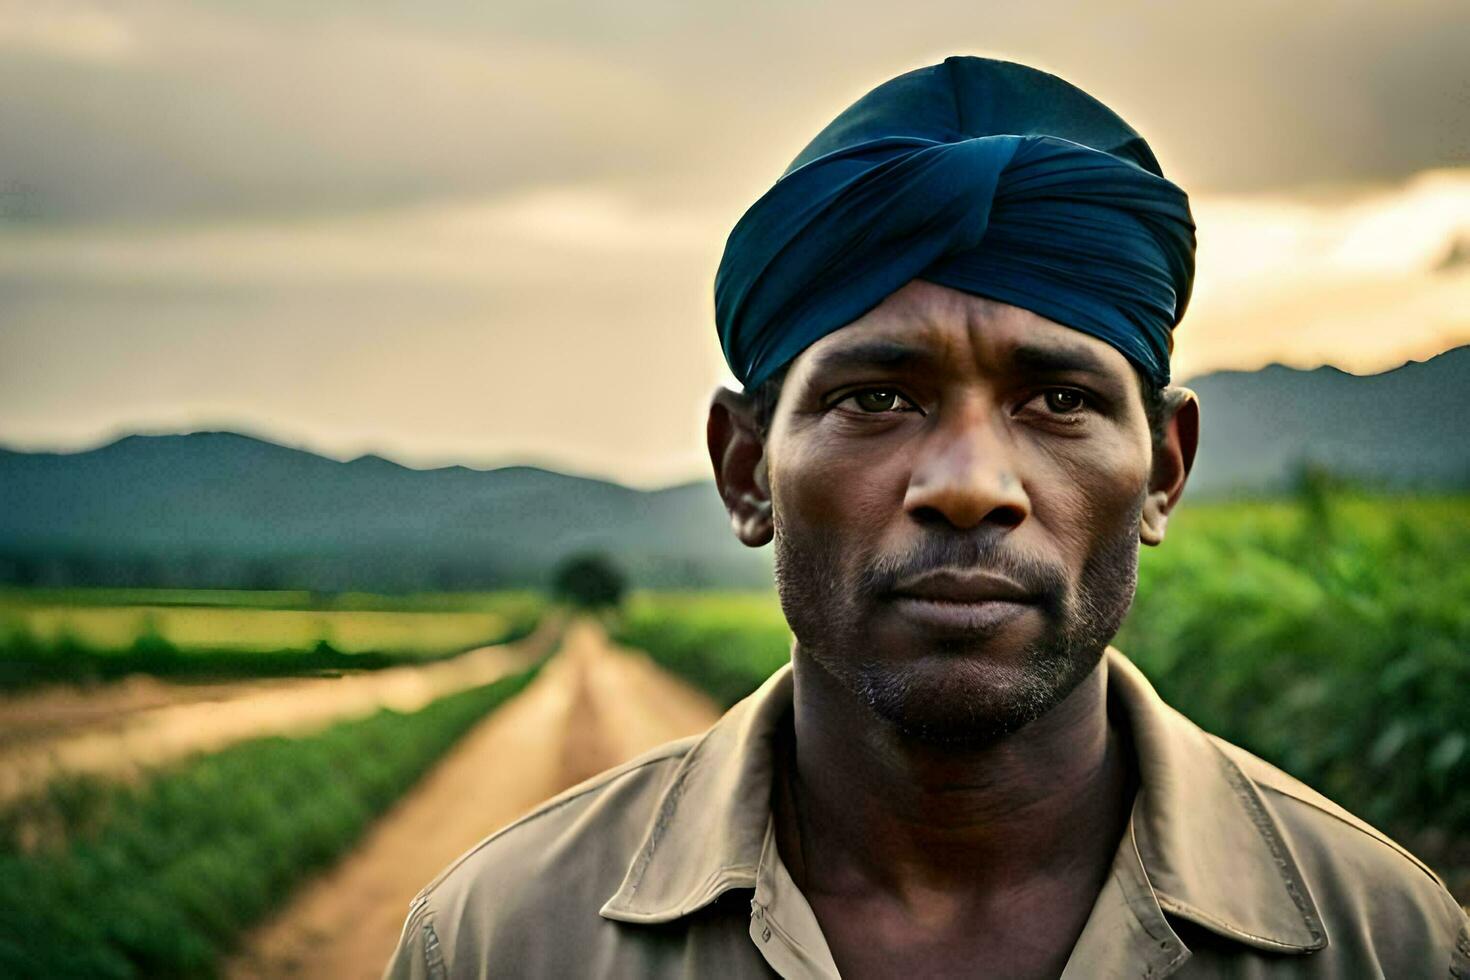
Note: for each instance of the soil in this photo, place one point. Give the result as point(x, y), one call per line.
point(592, 706)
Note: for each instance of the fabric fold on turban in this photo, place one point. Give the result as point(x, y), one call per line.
point(1088, 238)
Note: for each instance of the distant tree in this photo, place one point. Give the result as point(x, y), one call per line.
point(263, 575)
point(1315, 487)
point(21, 570)
point(591, 580)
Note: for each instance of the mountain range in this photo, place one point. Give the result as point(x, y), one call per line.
point(225, 509)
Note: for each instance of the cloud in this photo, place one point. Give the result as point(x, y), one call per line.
point(166, 110)
point(226, 115)
point(66, 30)
point(568, 322)
point(1362, 281)
point(536, 237)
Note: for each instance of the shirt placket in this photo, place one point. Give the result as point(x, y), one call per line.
point(1126, 934)
point(782, 924)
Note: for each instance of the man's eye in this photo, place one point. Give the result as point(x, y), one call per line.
point(1064, 401)
point(879, 400)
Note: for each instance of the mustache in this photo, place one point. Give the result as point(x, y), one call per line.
point(1045, 580)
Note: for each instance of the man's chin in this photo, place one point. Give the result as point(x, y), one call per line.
point(952, 699)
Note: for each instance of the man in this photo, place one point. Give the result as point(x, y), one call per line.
point(952, 317)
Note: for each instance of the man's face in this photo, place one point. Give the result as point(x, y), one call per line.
point(947, 433)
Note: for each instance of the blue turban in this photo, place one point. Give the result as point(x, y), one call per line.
point(986, 176)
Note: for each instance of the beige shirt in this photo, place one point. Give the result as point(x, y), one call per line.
point(667, 866)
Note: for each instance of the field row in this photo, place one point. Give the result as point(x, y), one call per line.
point(65, 635)
point(105, 880)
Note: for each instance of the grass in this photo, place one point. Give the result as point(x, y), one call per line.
point(1331, 637)
point(724, 642)
point(103, 880)
point(78, 636)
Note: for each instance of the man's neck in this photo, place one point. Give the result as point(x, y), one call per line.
point(948, 835)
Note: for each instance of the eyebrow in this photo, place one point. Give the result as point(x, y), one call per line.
point(1028, 357)
point(874, 353)
point(1057, 359)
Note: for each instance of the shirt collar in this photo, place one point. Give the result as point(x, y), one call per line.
point(1211, 850)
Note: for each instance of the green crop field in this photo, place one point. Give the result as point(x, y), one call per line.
point(103, 879)
point(725, 642)
point(82, 634)
point(1328, 633)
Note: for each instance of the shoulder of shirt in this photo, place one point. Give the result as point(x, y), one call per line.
point(558, 863)
point(1315, 807)
point(1340, 852)
point(610, 798)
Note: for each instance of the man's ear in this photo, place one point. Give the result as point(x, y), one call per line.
point(1172, 459)
point(738, 455)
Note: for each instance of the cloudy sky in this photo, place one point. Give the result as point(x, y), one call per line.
point(485, 232)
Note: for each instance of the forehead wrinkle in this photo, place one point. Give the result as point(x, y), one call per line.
point(968, 333)
point(947, 331)
point(931, 319)
point(919, 329)
point(1022, 342)
point(898, 334)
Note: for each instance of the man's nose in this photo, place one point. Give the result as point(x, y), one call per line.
point(966, 473)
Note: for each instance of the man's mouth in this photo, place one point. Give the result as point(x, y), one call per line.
point(968, 600)
point(963, 585)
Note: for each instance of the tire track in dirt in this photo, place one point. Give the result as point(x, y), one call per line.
point(592, 706)
point(65, 709)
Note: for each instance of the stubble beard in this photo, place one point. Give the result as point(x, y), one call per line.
point(954, 694)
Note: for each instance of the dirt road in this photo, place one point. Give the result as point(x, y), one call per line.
point(122, 728)
point(591, 707)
